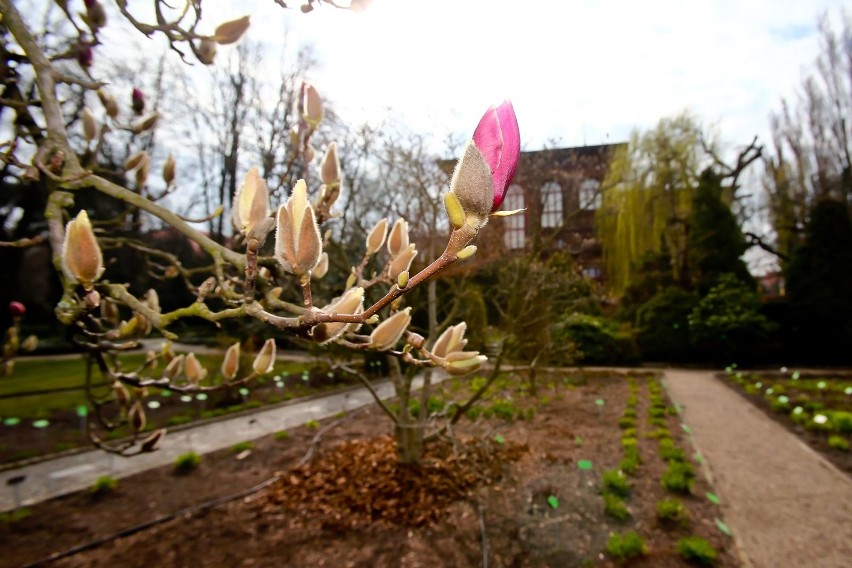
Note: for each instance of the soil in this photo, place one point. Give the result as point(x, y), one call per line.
point(831, 399)
point(484, 493)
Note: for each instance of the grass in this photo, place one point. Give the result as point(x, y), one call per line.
point(51, 374)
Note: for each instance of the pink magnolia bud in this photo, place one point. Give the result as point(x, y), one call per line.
point(137, 101)
point(398, 238)
point(17, 309)
point(251, 204)
point(311, 105)
point(330, 166)
point(95, 15)
point(193, 370)
point(451, 340)
point(486, 169)
point(377, 236)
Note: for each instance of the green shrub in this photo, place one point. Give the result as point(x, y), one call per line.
point(615, 507)
point(629, 413)
point(678, 478)
point(629, 433)
point(664, 325)
point(838, 443)
point(312, 424)
point(103, 485)
point(656, 412)
point(672, 511)
point(625, 546)
point(598, 339)
point(657, 422)
point(696, 549)
point(616, 483)
point(659, 433)
point(281, 435)
point(187, 462)
point(242, 446)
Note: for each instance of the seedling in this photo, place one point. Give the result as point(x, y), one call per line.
point(696, 549)
point(553, 502)
point(241, 447)
point(626, 546)
point(616, 483)
point(187, 462)
point(615, 507)
point(103, 485)
point(672, 511)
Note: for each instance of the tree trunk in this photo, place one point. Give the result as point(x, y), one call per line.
point(409, 430)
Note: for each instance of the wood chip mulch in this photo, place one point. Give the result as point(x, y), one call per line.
point(361, 482)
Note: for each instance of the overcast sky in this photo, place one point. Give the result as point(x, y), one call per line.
point(577, 71)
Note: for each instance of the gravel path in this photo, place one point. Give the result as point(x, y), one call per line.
point(786, 504)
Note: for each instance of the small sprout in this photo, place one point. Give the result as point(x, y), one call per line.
point(186, 462)
point(103, 485)
point(553, 501)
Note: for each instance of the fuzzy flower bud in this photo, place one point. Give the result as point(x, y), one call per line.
point(330, 166)
point(486, 169)
point(17, 309)
point(174, 368)
point(81, 256)
point(231, 32)
point(350, 303)
point(451, 340)
point(152, 300)
point(136, 417)
point(206, 51)
point(311, 105)
point(231, 362)
point(95, 15)
point(145, 123)
point(398, 239)
point(265, 360)
point(121, 394)
point(136, 160)
point(402, 261)
point(85, 56)
point(464, 362)
point(377, 235)
point(298, 243)
point(150, 443)
point(322, 266)
point(90, 125)
point(387, 333)
point(109, 102)
point(30, 343)
point(251, 203)
point(137, 101)
point(193, 370)
point(169, 170)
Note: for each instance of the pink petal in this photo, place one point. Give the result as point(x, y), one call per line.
point(511, 152)
point(489, 139)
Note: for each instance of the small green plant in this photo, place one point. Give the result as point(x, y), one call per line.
point(626, 546)
point(629, 413)
point(281, 435)
point(15, 515)
point(187, 462)
point(103, 485)
point(670, 452)
point(615, 507)
point(657, 422)
point(616, 483)
point(659, 433)
point(696, 549)
point(626, 422)
point(627, 443)
point(242, 446)
point(838, 443)
point(312, 424)
point(656, 412)
point(842, 421)
point(678, 477)
point(629, 465)
point(672, 512)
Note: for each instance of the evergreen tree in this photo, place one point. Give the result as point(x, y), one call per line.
point(715, 243)
point(818, 278)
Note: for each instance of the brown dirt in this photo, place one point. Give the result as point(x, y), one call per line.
point(353, 506)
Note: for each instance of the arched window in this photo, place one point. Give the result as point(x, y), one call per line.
point(590, 194)
point(514, 234)
point(551, 201)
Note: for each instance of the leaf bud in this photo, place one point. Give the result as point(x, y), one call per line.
point(455, 211)
point(466, 252)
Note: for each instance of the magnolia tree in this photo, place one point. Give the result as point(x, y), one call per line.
point(106, 318)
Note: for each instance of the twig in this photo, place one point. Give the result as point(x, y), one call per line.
point(483, 533)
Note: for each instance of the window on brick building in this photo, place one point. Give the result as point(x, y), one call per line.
point(514, 227)
point(590, 194)
point(551, 201)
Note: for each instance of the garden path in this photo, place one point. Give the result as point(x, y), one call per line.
point(60, 476)
point(786, 504)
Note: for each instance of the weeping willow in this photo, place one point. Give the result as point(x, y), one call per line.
point(647, 198)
